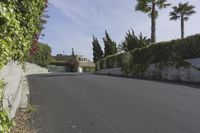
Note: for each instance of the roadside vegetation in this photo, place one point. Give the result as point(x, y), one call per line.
point(170, 53)
point(137, 52)
point(41, 56)
point(21, 23)
point(132, 41)
point(22, 120)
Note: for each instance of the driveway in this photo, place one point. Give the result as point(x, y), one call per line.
point(87, 103)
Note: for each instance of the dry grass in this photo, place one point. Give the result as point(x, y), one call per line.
point(22, 120)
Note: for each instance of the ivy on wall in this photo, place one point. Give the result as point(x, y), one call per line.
point(21, 22)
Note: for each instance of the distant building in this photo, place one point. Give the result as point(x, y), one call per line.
point(69, 63)
point(84, 64)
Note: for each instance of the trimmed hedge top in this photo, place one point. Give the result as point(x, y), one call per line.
point(175, 51)
point(168, 51)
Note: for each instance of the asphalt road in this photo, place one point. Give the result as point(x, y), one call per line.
point(86, 103)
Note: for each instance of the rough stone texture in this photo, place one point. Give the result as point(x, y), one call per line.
point(110, 71)
point(16, 91)
point(186, 74)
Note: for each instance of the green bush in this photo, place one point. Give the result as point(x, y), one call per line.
point(113, 61)
point(132, 41)
point(175, 50)
point(138, 60)
point(42, 56)
point(88, 69)
point(21, 22)
point(20, 25)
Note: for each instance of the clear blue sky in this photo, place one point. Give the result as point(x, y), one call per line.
point(73, 22)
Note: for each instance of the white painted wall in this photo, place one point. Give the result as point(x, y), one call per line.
point(80, 69)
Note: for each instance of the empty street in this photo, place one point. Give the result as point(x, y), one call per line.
point(87, 103)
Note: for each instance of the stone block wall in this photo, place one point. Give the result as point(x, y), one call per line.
point(185, 74)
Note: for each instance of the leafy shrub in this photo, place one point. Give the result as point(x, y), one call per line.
point(20, 25)
point(137, 61)
point(113, 61)
point(132, 41)
point(88, 69)
point(175, 50)
point(5, 122)
point(72, 64)
point(42, 56)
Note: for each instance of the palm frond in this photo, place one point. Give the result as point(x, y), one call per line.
point(162, 4)
point(143, 5)
point(183, 9)
point(174, 16)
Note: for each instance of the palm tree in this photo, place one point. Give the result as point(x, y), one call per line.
point(183, 11)
point(150, 7)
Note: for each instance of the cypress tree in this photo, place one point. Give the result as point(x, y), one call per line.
point(97, 51)
point(110, 46)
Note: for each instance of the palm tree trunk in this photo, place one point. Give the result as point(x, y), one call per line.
point(182, 27)
point(153, 24)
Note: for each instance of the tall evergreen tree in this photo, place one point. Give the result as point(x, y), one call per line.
point(150, 7)
point(97, 51)
point(183, 11)
point(110, 46)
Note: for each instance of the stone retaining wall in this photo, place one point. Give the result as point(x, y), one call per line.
point(185, 74)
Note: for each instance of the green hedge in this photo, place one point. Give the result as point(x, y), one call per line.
point(114, 61)
point(172, 51)
point(21, 22)
point(20, 25)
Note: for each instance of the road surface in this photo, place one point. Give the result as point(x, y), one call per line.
point(86, 103)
